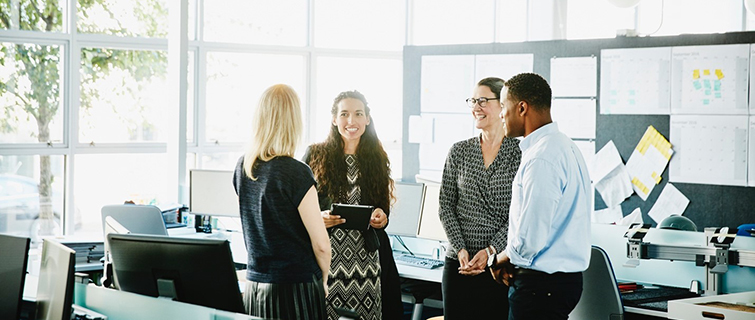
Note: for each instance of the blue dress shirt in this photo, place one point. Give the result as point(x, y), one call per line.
point(549, 221)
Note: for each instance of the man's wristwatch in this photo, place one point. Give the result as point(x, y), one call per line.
point(491, 257)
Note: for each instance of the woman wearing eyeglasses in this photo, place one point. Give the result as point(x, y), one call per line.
point(474, 208)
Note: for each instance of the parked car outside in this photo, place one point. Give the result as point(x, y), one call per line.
point(19, 207)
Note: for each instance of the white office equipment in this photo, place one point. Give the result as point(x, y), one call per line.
point(404, 219)
point(430, 226)
point(211, 193)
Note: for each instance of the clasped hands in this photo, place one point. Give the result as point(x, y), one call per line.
point(502, 271)
point(378, 220)
point(474, 266)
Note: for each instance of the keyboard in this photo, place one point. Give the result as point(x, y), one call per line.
point(420, 262)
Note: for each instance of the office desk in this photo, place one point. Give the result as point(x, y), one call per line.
point(419, 298)
point(119, 305)
point(416, 273)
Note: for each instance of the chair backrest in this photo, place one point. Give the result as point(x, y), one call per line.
point(138, 219)
point(600, 293)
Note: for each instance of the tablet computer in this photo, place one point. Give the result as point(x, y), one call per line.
point(357, 216)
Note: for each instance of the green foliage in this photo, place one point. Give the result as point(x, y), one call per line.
point(40, 64)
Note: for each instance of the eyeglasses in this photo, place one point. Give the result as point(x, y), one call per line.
point(483, 101)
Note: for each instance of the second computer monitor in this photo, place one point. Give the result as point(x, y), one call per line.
point(430, 226)
point(211, 193)
point(406, 211)
point(55, 288)
point(14, 252)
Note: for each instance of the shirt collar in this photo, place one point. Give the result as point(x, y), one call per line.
point(538, 134)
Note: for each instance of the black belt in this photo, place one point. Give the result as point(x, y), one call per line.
point(529, 272)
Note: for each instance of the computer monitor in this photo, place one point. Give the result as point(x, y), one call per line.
point(211, 193)
point(141, 219)
point(55, 288)
point(430, 226)
point(407, 209)
point(15, 254)
point(197, 271)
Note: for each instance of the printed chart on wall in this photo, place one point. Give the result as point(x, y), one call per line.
point(503, 66)
point(648, 161)
point(710, 79)
point(574, 77)
point(447, 129)
point(709, 149)
point(446, 81)
point(575, 117)
point(635, 81)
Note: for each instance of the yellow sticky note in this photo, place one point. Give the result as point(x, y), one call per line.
point(706, 72)
point(696, 74)
point(719, 74)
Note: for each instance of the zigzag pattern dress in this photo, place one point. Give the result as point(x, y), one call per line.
point(354, 281)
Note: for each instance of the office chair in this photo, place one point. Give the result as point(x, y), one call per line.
point(600, 294)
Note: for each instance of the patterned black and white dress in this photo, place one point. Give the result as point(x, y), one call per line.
point(354, 281)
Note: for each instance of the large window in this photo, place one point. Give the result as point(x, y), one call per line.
point(235, 82)
point(280, 22)
point(30, 93)
point(122, 95)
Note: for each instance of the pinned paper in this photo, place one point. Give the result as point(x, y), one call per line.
point(607, 215)
point(671, 201)
point(634, 217)
point(648, 161)
point(610, 177)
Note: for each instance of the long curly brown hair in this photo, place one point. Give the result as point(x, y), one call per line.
point(328, 162)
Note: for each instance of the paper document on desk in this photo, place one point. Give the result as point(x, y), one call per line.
point(671, 201)
point(648, 161)
point(610, 177)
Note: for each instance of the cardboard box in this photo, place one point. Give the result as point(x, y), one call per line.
point(733, 306)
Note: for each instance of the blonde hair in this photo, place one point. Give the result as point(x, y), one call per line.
point(276, 127)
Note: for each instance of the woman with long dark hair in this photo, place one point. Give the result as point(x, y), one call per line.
point(352, 167)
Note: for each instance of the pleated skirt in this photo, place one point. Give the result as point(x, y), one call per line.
point(305, 301)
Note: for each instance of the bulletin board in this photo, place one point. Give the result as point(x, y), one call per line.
point(711, 204)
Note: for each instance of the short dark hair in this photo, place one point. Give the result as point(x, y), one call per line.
point(495, 85)
point(531, 88)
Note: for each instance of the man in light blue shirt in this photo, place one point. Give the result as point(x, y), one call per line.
point(549, 220)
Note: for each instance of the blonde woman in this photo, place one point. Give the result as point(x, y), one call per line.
point(289, 248)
